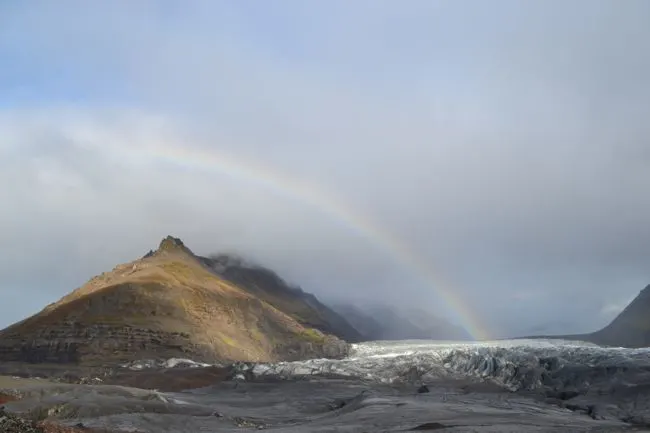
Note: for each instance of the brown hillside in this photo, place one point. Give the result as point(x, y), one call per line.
point(167, 304)
point(269, 287)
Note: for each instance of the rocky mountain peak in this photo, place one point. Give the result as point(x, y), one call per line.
point(170, 244)
point(171, 305)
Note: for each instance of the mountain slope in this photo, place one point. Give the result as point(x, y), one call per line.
point(170, 303)
point(368, 326)
point(631, 328)
point(268, 286)
point(380, 322)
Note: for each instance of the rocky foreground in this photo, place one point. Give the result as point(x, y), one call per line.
point(558, 392)
point(312, 405)
point(11, 423)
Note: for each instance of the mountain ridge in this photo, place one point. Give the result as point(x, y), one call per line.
point(630, 328)
point(381, 322)
point(173, 303)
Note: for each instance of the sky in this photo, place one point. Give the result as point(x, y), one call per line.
point(506, 144)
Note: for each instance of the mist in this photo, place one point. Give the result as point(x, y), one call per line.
point(505, 145)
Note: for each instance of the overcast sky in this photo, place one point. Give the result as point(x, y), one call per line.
point(507, 143)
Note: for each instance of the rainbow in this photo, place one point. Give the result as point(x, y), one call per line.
point(198, 158)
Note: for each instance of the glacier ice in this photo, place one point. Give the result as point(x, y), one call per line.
point(513, 364)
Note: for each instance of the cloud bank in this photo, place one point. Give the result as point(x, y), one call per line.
point(507, 146)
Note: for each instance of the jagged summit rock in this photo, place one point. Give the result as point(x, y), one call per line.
point(173, 303)
point(169, 245)
point(172, 244)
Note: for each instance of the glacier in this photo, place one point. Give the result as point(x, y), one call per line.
point(500, 386)
point(513, 364)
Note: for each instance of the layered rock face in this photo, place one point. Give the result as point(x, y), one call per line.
point(172, 303)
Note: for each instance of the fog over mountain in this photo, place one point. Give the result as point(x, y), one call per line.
point(504, 145)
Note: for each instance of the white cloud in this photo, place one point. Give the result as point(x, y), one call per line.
point(614, 308)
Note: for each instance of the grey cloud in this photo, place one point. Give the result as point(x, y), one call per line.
point(508, 145)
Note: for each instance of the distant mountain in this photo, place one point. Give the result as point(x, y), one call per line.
point(380, 322)
point(172, 303)
point(631, 328)
point(553, 327)
point(363, 322)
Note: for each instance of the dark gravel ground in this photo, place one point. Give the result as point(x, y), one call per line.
point(110, 399)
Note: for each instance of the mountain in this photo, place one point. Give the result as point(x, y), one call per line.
point(268, 286)
point(434, 327)
point(173, 303)
point(380, 322)
point(363, 321)
point(631, 328)
point(553, 327)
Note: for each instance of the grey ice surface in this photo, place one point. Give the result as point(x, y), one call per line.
point(513, 386)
